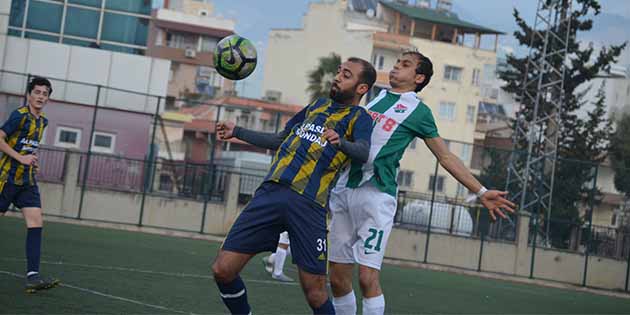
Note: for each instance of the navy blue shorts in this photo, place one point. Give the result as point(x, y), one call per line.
point(274, 209)
point(26, 196)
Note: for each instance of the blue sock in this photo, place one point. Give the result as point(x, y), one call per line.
point(325, 309)
point(33, 250)
point(234, 296)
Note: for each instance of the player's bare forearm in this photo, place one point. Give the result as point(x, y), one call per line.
point(452, 163)
point(271, 141)
point(455, 167)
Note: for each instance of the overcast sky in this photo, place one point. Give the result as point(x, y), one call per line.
point(255, 18)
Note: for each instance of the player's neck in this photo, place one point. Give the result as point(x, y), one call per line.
point(401, 90)
point(36, 112)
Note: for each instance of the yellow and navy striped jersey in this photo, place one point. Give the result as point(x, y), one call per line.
point(305, 161)
point(23, 133)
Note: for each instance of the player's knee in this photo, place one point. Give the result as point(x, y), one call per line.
point(221, 272)
point(369, 280)
point(340, 284)
point(316, 297)
point(34, 221)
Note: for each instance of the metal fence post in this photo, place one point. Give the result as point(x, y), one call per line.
point(86, 169)
point(627, 271)
point(152, 157)
point(211, 171)
point(533, 260)
point(278, 117)
point(435, 180)
point(590, 226)
point(483, 236)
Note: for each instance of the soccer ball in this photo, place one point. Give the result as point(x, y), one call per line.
point(235, 57)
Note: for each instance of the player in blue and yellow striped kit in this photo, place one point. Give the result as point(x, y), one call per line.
point(311, 151)
point(20, 136)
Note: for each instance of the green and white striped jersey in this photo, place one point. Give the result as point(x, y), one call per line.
point(398, 119)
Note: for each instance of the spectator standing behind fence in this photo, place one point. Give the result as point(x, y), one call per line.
point(20, 136)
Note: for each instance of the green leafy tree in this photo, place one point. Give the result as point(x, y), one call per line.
point(320, 79)
point(580, 138)
point(620, 160)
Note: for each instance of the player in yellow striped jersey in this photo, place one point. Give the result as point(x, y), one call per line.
point(311, 151)
point(20, 136)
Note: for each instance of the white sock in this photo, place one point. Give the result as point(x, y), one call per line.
point(374, 306)
point(278, 262)
point(345, 305)
point(271, 258)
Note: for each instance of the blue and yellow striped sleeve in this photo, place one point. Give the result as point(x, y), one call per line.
point(13, 123)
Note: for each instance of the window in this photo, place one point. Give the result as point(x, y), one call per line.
point(179, 40)
point(81, 22)
point(38, 36)
point(405, 178)
point(103, 142)
point(475, 77)
point(378, 61)
point(452, 73)
point(125, 29)
point(136, 6)
point(208, 43)
point(18, 8)
point(440, 183)
point(76, 42)
point(89, 3)
point(470, 114)
point(67, 137)
point(447, 111)
point(44, 16)
point(466, 151)
point(613, 220)
point(489, 72)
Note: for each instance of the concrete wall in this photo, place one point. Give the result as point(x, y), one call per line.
point(409, 245)
point(507, 258)
point(134, 73)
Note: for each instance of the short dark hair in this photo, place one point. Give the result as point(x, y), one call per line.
point(368, 74)
point(39, 81)
point(425, 67)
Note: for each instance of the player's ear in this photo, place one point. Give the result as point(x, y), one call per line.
point(420, 78)
point(362, 88)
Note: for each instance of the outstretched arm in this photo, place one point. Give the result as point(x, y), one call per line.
point(271, 141)
point(494, 200)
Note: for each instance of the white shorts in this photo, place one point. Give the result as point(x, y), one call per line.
point(362, 219)
point(284, 238)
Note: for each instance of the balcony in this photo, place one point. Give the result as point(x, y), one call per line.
point(391, 41)
point(202, 58)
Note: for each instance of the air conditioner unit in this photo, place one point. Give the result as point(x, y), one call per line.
point(190, 53)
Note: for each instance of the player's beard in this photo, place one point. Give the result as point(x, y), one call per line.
point(341, 97)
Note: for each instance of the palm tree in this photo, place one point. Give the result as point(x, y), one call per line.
point(320, 79)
